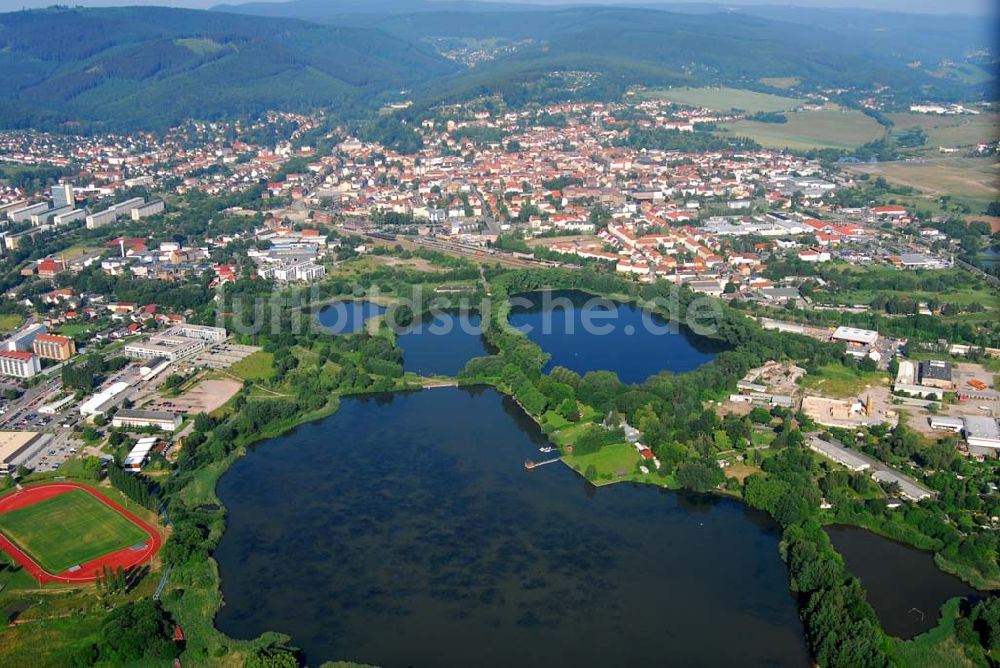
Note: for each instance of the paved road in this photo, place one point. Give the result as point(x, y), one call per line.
point(491, 224)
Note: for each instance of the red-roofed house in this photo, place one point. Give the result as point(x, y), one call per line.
point(889, 211)
point(49, 268)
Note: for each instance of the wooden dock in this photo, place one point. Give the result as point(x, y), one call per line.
point(529, 464)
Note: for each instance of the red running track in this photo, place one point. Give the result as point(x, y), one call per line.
point(126, 557)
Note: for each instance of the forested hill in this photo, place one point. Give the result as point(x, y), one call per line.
point(694, 44)
point(149, 67)
point(648, 46)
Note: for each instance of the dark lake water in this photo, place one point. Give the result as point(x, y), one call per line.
point(404, 531)
point(635, 345)
point(439, 344)
point(348, 317)
point(442, 344)
point(901, 582)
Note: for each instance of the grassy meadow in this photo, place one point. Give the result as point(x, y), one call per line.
point(973, 180)
point(723, 99)
point(830, 127)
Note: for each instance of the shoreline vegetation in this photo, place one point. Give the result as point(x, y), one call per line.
point(841, 627)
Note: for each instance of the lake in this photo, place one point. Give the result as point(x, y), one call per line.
point(442, 344)
point(636, 344)
point(902, 583)
point(439, 344)
point(348, 317)
point(404, 531)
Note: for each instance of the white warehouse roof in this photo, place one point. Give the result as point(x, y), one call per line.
point(92, 406)
point(865, 336)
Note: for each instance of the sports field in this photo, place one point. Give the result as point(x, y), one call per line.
point(69, 529)
point(723, 99)
point(830, 127)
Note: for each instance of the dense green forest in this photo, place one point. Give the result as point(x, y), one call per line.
point(131, 67)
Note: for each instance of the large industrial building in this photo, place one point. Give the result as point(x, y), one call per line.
point(171, 348)
point(203, 332)
point(982, 432)
point(863, 337)
point(14, 446)
point(936, 373)
point(134, 418)
point(177, 343)
point(103, 401)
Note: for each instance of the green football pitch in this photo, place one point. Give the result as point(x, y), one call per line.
point(69, 529)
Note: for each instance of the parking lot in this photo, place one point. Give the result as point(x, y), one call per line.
point(223, 355)
point(49, 452)
point(206, 397)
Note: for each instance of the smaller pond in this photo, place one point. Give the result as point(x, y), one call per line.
point(989, 257)
point(442, 344)
point(438, 344)
point(903, 584)
point(348, 317)
point(587, 333)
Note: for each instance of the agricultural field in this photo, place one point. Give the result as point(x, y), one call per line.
point(69, 529)
point(950, 131)
point(830, 127)
point(723, 99)
point(972, 178)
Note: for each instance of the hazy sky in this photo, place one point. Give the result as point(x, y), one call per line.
point(930, 6)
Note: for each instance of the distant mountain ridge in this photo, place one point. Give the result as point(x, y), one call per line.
point(318, 10)
point(151, 67)
point(834, 47)
point(155, 66)
point(654, 47)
